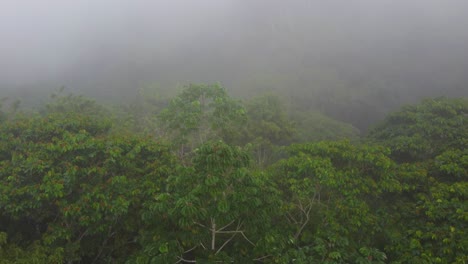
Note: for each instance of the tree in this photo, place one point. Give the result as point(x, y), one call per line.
point(421, 132)
point(2, 114)
point(430, 142)
point(332, 193)
point(201, 113)
point(430, 217)
point(140, 114)
point(267, 128)
point(71, 191)
point(314, 126)
point(212, 210)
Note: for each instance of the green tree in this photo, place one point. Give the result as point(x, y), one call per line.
point(201, 113)
point(140, 114)
point(214, 210)
point(430, 218)
point(314, 126)
point(35, 253)
point(72, 104)
point(2, 113)
point(430, 142)
point(423, 131)
point(332, 194)
point(267, 128)
point(72, 191)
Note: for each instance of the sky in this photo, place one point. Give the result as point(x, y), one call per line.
point(112, 48)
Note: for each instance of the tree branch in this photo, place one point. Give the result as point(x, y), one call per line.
point(186, 260)
point(260, 258)
point(187, 251)
point(291, 218)
point(225, 243)
point(213, 234)
point(224, 227)
point(201, 225)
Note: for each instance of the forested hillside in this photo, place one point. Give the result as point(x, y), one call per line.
point(202, 177)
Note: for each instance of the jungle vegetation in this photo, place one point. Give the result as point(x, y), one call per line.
point(203, 177)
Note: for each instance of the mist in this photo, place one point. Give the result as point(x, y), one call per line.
point(304, 49)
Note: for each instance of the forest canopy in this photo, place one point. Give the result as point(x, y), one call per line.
point(206, 178)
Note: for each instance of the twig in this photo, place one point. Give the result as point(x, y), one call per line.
point(260, 258)
point(224, 227)
point(203, 246)
point(200, 225)
point(225, 243)
point(186, 260)
point(187, 251)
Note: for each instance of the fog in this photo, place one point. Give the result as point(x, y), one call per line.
point(401, 50)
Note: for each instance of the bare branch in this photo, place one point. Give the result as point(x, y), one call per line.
point(187, 251)
point(229, 232)
point(224, 227)
point(260, 258)
point(291, 218)
point(82, 235)
point(309, 209)
point(203, 246)
point(237, 231)
point(186, 260)
point(300, 205)
point(201, 225)
point(242, 233)
point(298, 233)
point(306, 211)
point(225, 243)
point(213, 234)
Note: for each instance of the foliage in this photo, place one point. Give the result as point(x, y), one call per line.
point(2, 114)
point(79, 186)
point(430, 219)
point(216, 209)
point(267, 128)
point(68, 185)
point(423, 131)
point(9, 109)
point(430, 140)
point(35, 253)
point(201, 113)
point(140, 115)
point(314, 126)
point(331, 196)
point(268, 120)
point(72, 104)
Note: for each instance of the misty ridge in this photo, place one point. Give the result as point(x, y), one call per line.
point(366, 55)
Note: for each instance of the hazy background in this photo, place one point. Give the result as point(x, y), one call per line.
point(372, 53)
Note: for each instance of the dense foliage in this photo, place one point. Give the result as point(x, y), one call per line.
point(209, 179)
